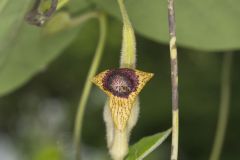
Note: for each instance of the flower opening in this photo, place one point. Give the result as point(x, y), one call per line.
point(121, 82)
point(122, 85)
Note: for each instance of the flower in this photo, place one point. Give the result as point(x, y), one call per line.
point(122, 86)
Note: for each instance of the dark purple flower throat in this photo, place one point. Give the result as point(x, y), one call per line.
point(121, 82)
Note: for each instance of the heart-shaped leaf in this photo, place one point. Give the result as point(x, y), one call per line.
point(24, 49)
point(30, 53)
point(11, 14)
point(207, 25)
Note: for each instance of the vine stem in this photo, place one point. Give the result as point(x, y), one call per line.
point(88, 84)
point(224, 106)
point(84, 17)
point(174, 77)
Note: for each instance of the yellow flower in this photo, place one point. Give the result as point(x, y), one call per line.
point(122, 86)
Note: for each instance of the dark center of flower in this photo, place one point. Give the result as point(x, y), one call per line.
point(120, 82)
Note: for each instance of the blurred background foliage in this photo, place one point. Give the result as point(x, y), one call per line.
point(42, 76)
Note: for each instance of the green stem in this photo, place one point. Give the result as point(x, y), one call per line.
point(88, 83)
point(81, 19)
point(128, 55)
point(224, 106)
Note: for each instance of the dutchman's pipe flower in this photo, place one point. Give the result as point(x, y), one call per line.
point(121, 110)
point(122, 86)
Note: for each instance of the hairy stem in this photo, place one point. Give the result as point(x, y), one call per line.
point(174, 77)
point(224, 106)
point(128, 55)
point(88, 84)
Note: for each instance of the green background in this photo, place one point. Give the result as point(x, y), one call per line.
point(42, 77)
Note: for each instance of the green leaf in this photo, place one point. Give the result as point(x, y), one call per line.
point(58, 22)
point(206, 25)
point(146, 145)
point(2, 4)
point(78, 5)
point(11, 14)
point(30, 53)
point(24, 49)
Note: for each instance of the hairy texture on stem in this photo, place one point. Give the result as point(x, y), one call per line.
point(224, 106)
point(88, 84)
point(128, 55)
point(174, 77)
